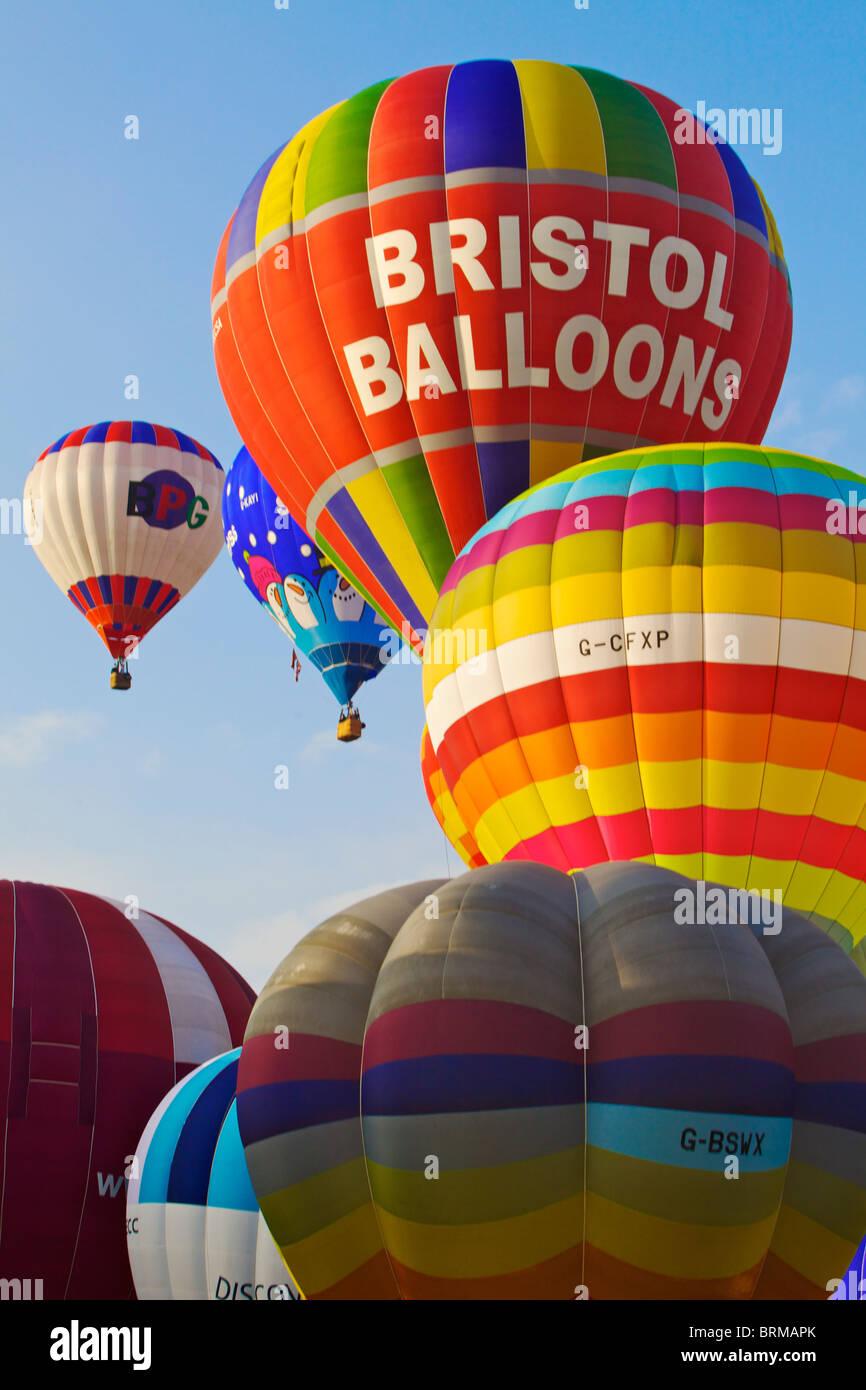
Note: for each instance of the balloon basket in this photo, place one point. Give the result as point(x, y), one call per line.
point(350, 726)
point(120, 677)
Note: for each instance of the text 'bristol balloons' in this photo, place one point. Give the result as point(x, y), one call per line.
point(193, 1225)
point(124, 516)
point(458, 283)
point(102, 1009)
point(568, 1087)
point(325, 617)
point(443, 808)
point(674, 669)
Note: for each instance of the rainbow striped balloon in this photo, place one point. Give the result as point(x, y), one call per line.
point(559, 1077)
point(511, 1154)
point(443, 808)
point(456, 283)
point(661, 656)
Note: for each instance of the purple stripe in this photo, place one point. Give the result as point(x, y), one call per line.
point(357, 532)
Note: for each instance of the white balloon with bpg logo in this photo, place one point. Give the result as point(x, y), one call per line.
point(193, 1225)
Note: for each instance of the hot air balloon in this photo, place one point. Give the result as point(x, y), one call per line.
point(104, 1007)
point(460, 282)
point(325, 617)
point(659, 656)
point(443, 808)
point(124, 517)
point(193, 1225)
point(560, 1077)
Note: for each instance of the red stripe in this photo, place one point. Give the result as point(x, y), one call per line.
point(309, 1056)
point(699, 1027)
point(670, 689)
point(119, 432)
point(443, 1027)
point(833, 1059)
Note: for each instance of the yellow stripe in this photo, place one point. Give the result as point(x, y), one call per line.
point(563, 129)
point(485, 1249)
point(375, 502)
point(285, 182)
point(809, 1248)
point(674, 1249)
point(335, 1252)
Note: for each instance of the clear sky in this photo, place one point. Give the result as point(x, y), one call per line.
point(108, 247)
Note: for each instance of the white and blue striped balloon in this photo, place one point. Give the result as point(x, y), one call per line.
point(194, 1229)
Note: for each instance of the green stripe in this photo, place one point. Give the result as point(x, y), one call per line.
point(635, 140)
point(409, 484)
point(338, 162)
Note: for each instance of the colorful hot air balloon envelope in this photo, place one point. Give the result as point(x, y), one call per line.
point(460, 282)
point(443, 808)
point(325, 617)
point(560, 1079)
point(194, 1229)
point(103, 1008)
point(660, 656)
point(124, 516)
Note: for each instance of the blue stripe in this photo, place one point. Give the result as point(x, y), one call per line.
point(741, 1085)
point(841, 1104)
point(157, 1161)
point(357, 532)
point(242, 237)
point(284, 1106)
point(142, 432)
point(473, 139)
point(451, 1084)
point(96, 434)
point(193, 1155)
point(665, 1136)
point(747, 204)
point(230, 1184)
point(504, 469)
point(153, 590)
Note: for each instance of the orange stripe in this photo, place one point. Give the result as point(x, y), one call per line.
point(554, 1279)
point(373, 1279)
point(607, 1277)
point(779, 1280)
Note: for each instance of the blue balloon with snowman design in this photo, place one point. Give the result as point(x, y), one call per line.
point(328, 621)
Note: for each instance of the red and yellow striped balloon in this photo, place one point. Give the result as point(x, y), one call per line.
point(457, 283)
point(675, 671)
point(443, 808)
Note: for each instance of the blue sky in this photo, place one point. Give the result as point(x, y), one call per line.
point(168, 792)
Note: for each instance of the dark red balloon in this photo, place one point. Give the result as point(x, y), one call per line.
point(103, 1007)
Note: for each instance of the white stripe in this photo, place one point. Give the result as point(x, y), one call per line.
point(649, 639)
point(198, 1022)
